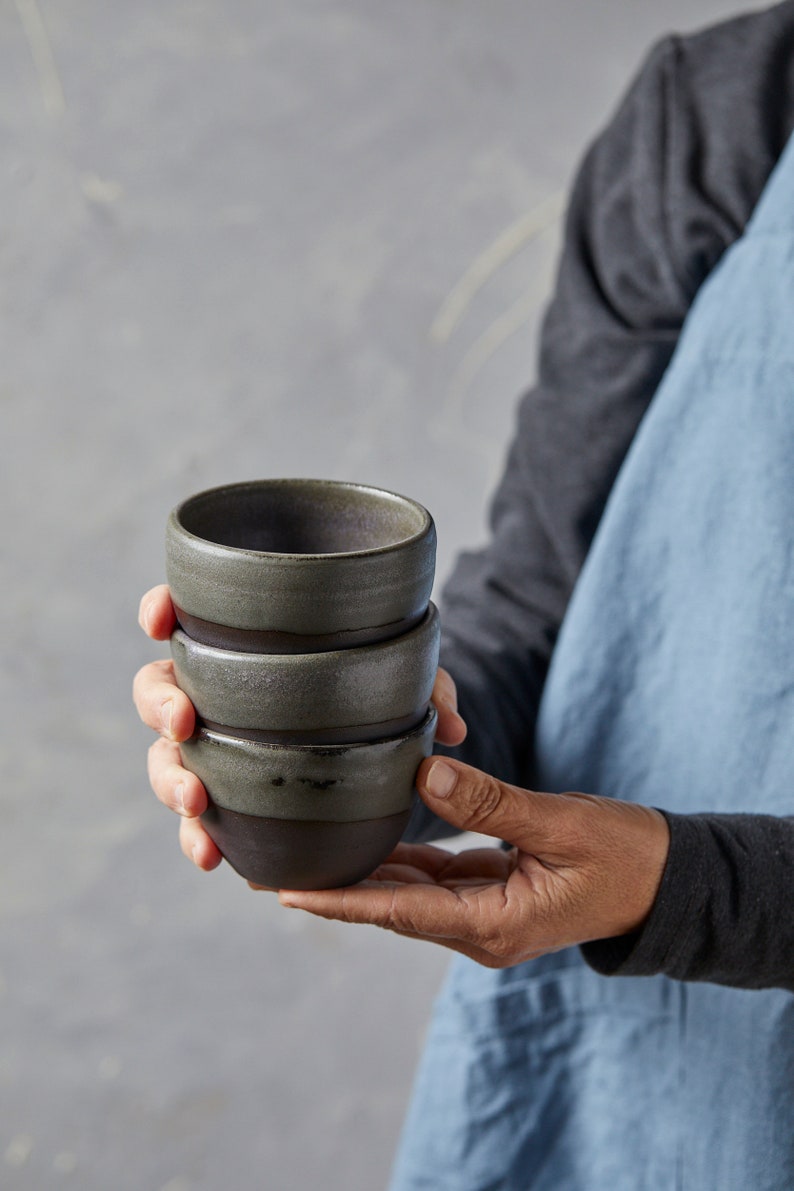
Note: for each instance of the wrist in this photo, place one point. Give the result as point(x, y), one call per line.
point(650, 843)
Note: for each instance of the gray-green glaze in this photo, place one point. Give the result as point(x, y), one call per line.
point(334, 783)
point(301, 556)
point(308, 692)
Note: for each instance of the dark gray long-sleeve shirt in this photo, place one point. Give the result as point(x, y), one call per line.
point(661, 194)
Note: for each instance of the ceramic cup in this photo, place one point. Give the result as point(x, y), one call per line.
point(307, 816)
point(340, 696)
point(309, 648)
point(279, 566)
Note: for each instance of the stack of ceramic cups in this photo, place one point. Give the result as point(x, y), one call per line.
point(308, 646)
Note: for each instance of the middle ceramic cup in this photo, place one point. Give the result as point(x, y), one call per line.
point(342, 697)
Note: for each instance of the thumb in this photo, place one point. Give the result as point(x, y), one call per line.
point(475, 801)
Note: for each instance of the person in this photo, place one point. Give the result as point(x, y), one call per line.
point(620, 1012)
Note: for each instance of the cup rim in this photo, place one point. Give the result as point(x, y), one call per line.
point(359, 747)
point(426, 527)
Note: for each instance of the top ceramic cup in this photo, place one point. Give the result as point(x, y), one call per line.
point(297, 565)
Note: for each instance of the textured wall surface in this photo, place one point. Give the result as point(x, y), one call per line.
point(238, 239)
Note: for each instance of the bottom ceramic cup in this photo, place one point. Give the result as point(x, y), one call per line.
point(307, 816)
point(303, 854)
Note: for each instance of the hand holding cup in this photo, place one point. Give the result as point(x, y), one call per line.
point(293, 527)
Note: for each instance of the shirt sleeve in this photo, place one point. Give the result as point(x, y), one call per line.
point(723, 913)
point(661, 194)
point(622, 293)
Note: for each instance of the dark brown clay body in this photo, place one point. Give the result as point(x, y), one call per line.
point(290, 854)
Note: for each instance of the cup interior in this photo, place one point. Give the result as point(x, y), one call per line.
point(303, 517)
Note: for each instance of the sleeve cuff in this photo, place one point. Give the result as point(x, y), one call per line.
point(654, 948)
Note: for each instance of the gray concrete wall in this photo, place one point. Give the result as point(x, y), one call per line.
point(238, 239)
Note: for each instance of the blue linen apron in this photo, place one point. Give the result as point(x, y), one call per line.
point(672, 684)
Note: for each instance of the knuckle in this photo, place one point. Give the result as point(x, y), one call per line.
point(502, 948)
point(187, 838)
point(581, 824)
point(396, 915)
point(195, 795)
point(505, 949)
point(399, 918)
point(139, 688)
point(347, 907)
point(484, 798)
point(490, 961)
point(152, 684)
point(495, 930)
point(446, 696)
point(144, 609)
point(154, 756)
point(164, 769)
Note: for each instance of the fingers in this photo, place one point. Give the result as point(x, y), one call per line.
point(451, 728)
point(426, 858)
point(470, 920)
point(164, 707)
point(418, 908)
point(176, 787)
point(424, 862)
point(198, 846)
point(182, 792)
point(156, 614)
point(160, 703)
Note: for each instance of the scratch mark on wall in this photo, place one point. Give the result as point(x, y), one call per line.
point(517, 316)
point(43, 57)
point(490, 260)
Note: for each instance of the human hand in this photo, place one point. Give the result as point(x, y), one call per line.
point(164, 707)
point(581, 868)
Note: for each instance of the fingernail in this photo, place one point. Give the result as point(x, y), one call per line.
point(146, 615)
point(166, 715)
point(179, 797)
point(441, 779)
